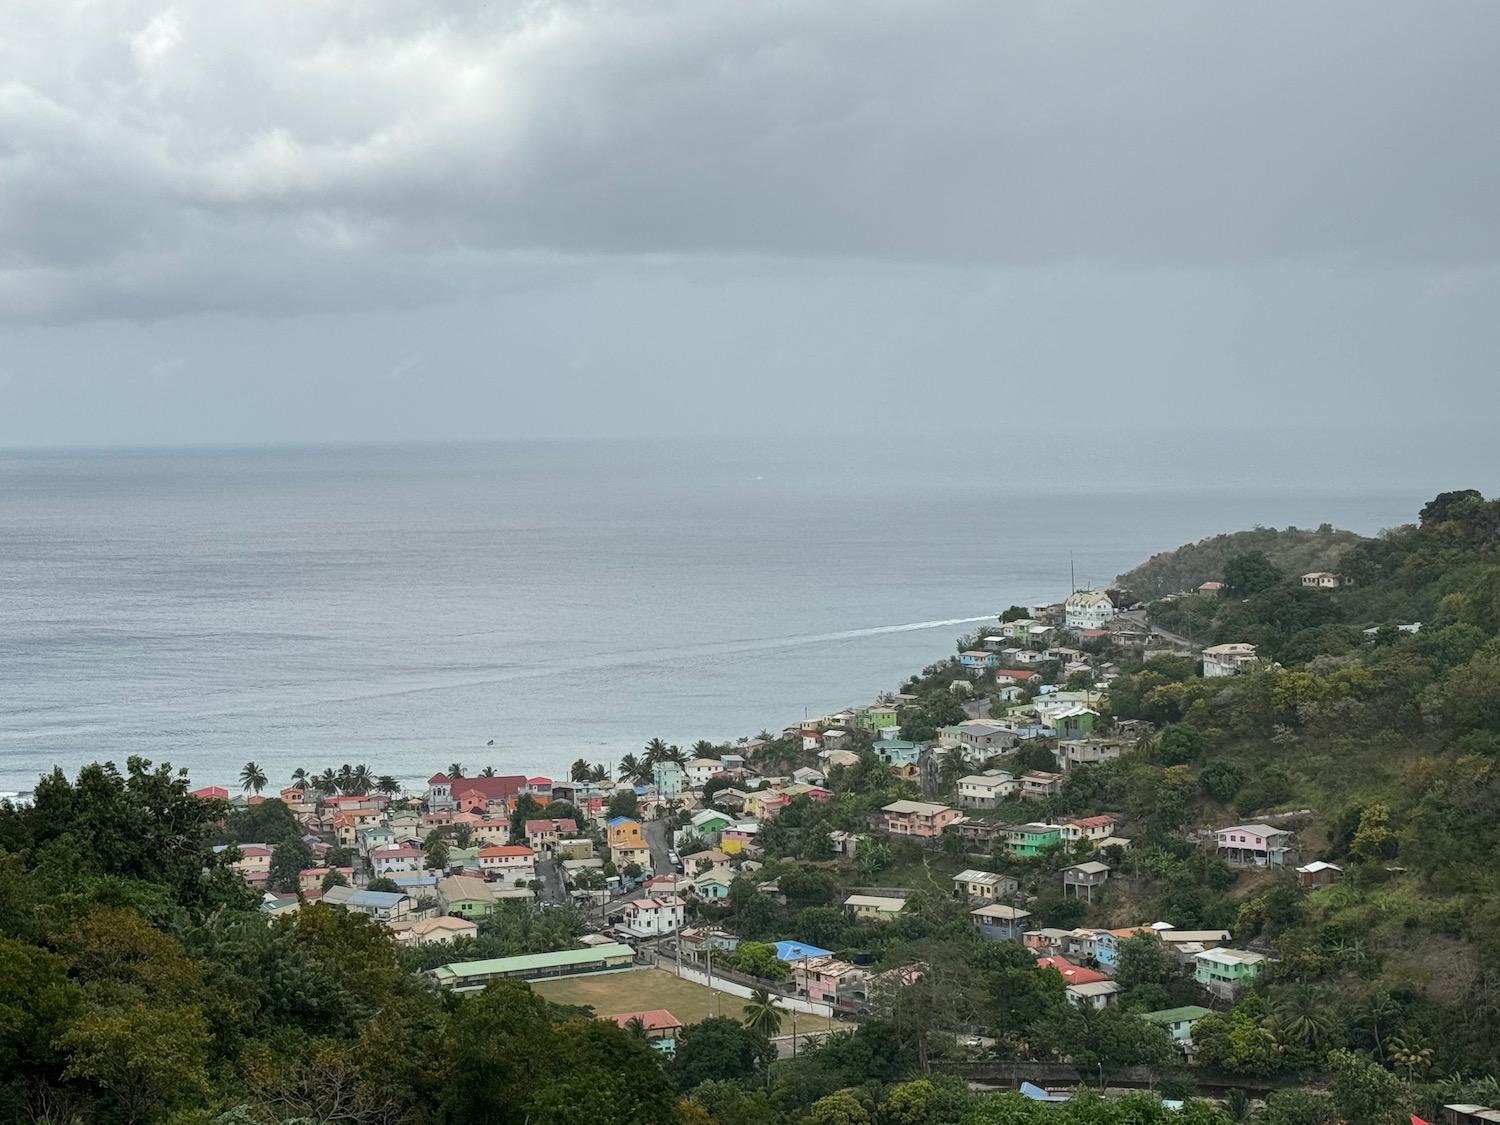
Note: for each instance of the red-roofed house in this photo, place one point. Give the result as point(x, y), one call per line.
point(471, 793)
point(254, 864)
point(660, 1025)
point(509, 863)
point(1071, 973)
point(1013, 676)
point(396, 859)
point(211, 792)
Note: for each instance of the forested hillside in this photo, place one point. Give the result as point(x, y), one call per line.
point(1293, 550)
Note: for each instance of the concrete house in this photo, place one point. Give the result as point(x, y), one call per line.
point(653, 917)
point(1038, 784)
point(436, 931)
point(1255, 845)
point(986, 886)
point(1031, 840)
point(700, 770)
point(1087, 609)
point(465, 896)
point(508, 863)
point(1083, 879)
point(542, 835)
point(394, 858)
point(827, 980)
point(669, 778)
point(874, 908)
point(1087, 752)
point(1228, 659)
point(1090, 828)
point(921, 819)
point(979, 658)
point(1321, 580)
point(1224, 972)
point(1177, 1022)
point(978, 736)
point(986, 790)
point(999, 922)
point(382, 906)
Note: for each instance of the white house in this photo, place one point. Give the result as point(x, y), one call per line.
point(986, 790)
point(699, 770)
point(1088, 609)
point(508, 863)
point(395, 858)
point(1228, 660)
point(437, 931)
point(1321, 580)
point(651, 917)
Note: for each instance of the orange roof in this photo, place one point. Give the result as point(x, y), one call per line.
point(657, 1019)
point(506, 849)
point(1071, 973)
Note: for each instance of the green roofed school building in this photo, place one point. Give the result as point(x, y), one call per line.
point(463, 976)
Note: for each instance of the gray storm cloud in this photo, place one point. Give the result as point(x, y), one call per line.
point(157, 160)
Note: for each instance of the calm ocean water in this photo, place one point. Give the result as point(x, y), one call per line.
point(402, 606)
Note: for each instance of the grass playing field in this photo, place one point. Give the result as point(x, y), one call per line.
point(640, 990)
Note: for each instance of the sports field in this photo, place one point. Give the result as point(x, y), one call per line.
point(639, 990)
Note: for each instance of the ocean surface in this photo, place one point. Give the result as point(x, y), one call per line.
point(402, 606)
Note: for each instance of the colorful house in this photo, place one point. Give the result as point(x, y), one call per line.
point(1030, 840)
point(661, 1027)
point(465, 896)
point(734, 839)
point(921, 819)
point(623, 831)
point(1225, 971)
point(1178, 1022)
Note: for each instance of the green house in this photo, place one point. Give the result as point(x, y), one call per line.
point(1031, 840)
point(1178, 1022)
point(880, 717)
point(1225, 971)
point(1075, 722)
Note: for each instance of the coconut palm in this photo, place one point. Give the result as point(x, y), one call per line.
point(301, 778)
point(635, 1027)
point(463, 835)
point(1410, 1054)
point(488, 771)
point(387, 784)
point(252, 777)
point(954, 767)
point(456, 769)
point(598, 772)
point(631, 767)
point(1376, 1009)
point(345, 778)
point(579, 770)
point(675, 754)
point(703, 748)
point(762, 1013)
point(655, 750)
point(1301, 1016)
point(327, 782)
point(363, 780)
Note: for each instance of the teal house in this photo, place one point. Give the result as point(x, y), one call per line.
point(1030, 840)
point(1177, 1022)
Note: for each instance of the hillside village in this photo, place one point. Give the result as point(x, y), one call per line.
point(977, 753)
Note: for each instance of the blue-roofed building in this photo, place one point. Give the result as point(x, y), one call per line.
point(790, 951)
point(897, 751)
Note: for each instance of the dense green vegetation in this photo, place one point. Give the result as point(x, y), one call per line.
point(1294, 550)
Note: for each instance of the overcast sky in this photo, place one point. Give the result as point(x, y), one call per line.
point(389, 219)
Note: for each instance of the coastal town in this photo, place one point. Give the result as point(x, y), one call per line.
point(655, 865)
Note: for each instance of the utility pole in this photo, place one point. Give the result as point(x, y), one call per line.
point(794, 1033)
point(710, 951)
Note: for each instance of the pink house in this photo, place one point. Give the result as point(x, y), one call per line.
point(918, 818)
point(210, 792)
point(828, 980)
point(1254, 845)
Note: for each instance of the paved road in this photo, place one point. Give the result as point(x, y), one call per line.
point(549, 871)
point(658, 833)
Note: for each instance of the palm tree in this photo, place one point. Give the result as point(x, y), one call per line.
point(630, 767)
point(762, 1013)
point(252, 777)
point(579, 770)
point(363, 779)
point(456, 769)
point(1145, 744)
point(635, 1027)
point(463, 835)
point(301, 778)
point(655, 749)
point(488, 771)
point(703, 748)
point(1377, 1008)
point(598, 772)
point(1410, 1054)
point(1301, 1016)
point(674, 754)
point(327, 782)
point(387, 784)
point(954, 766)
point(345, 778)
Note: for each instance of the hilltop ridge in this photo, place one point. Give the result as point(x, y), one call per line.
point(1292, 550)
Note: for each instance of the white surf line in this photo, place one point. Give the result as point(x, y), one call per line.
point(635, 658)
